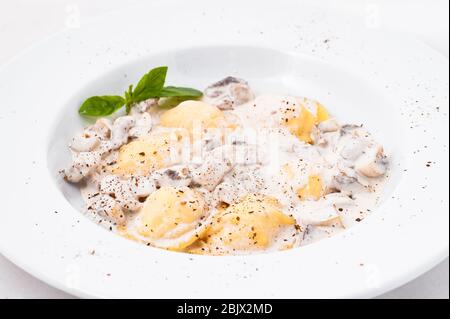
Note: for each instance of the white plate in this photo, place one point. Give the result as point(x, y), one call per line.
point(397, 87)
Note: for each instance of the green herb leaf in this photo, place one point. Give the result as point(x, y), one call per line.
point(129, 99)
point(101, 105)
point(129, 93)
point(150, 85)
point(172, 91)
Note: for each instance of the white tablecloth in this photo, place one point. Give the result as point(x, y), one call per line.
point(23, 22)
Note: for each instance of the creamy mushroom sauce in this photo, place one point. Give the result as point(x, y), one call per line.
point(232, 174)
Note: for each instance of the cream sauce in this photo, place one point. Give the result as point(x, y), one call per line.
point(260, 155)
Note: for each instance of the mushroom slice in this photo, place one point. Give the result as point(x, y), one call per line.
point(143, 106)
point(143, 125)
point(373, 163)
point(211, 173)
point(175, 176)
point(345, 183)
point(328, 126)
point(228, 93)
point(105, 206)
point(120, 131)
point(324, 218)
point(220, 161)
point(243, 180)
point(121, 191)
point(92, 136)
point(348, 128)
point(350, 147)
point(84, 142)
point(83, 164)
point(101, 129)
point(328, 212)
point(142, 186)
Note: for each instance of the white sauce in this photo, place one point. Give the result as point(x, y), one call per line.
point(253, 160)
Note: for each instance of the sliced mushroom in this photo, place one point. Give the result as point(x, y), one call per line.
point(227, 192)
point(175, 176)
point(142, 186)
point(322, 213)
point(352, 147)
point(211, 139)
point(107, 207)
point(143, 125)
point(373, 163)
point(220, 161)
point(228, 93)
point(212, 171)
point(143, 106)
point(101, 129)
point(345, 184)
point(328, 126)
point(110, 185)
point(84, 143)
point(83, 164)
point(348, 128)
point(242, 181)
point(121, 191)
point(120, 131)
point(97, 146)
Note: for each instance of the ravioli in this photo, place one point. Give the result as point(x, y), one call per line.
point(171, 218)
point(256, 223)
point(192, 115)
point(148, 154)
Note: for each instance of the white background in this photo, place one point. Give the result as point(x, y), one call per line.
point(23, 22)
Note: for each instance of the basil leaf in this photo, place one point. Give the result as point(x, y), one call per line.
point(150, 85)
point(101, 105)
point(129, 94)
point(129, 99)
point(172, 91)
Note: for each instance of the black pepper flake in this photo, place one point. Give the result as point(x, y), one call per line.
point(142, 199)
